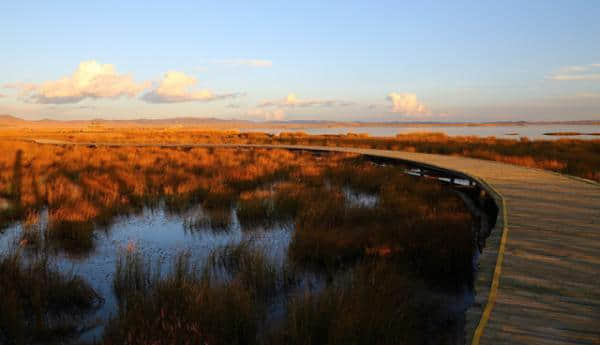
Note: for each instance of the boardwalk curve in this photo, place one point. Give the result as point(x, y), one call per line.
point(538, 283)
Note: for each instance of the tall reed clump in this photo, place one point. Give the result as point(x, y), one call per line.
point(247, 264)
point(255, 209)
point(133, 275)
point(376, 302)
point(224, 303)
point(286, 200)
point(39, 304)
point(328, 233)
point(32, 236)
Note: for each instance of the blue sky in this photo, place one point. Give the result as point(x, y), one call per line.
point(342, 60)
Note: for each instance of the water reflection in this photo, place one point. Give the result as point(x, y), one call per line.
point(159, 237)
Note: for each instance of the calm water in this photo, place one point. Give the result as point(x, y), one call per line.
point(507, 132)
point(159, 237)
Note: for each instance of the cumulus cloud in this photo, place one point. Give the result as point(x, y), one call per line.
point(572, 77)
point(407, 104)
point(25, 89)
point(175, 87)
point(268, 114)
point(90, 80)
point(261, 63)
point(291, 101)
point(584, 96)
point(575, 73)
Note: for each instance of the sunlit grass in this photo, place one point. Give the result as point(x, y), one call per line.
point(417, 236)
point(576, 157)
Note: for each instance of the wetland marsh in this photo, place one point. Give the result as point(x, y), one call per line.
point(230, 246)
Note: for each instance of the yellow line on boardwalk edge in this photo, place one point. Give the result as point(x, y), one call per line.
point(487, 312)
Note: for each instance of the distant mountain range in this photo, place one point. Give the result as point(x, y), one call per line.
point(222, 124)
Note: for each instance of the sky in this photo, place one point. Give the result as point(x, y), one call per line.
point(319, 60)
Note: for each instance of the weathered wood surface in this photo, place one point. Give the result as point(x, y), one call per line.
point(549, 287)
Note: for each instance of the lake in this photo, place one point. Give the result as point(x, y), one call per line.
point(506, 132)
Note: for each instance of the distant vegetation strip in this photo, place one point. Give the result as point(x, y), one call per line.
point(568, 156)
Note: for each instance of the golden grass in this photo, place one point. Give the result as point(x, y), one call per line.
point(416, 226)
point(82, 186)
point(576, 157)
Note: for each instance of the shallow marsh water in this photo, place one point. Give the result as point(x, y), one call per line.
point(160, 236)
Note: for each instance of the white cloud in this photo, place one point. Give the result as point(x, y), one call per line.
point(90, 80)
point(576, 73)
point(175, 87)
point(24, 87)
point(573, 69)
point(584, 96)
point(244, 62)
point(269, 115)
point(567, 77)
point(406, 104)
point(291, 101)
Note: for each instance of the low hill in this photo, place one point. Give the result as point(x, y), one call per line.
point(215, 123)
point(9, 120)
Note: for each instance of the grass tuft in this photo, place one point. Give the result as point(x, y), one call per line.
point(38, 302)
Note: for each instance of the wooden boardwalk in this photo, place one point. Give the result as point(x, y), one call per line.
point(549, 286)
point(545, 289)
